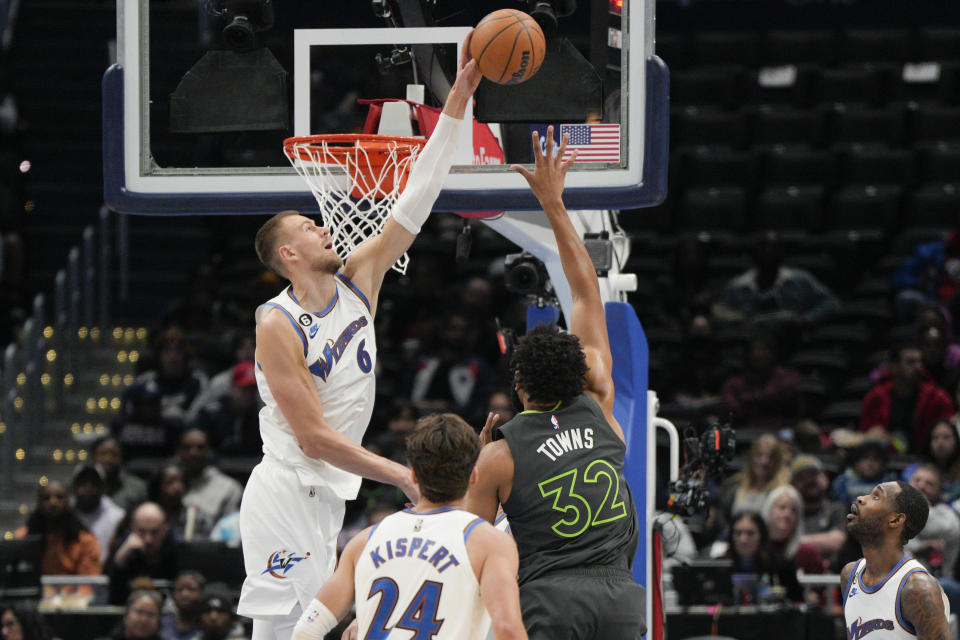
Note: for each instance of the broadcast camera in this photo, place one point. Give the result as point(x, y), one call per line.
point(706, 458)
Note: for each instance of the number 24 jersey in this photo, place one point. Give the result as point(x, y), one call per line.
point(414, 581)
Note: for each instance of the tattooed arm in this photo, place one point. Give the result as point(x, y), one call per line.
point(921, 602)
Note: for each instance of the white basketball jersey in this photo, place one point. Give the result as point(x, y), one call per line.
point(414, 579)
point(875, 611)
point(340, 351)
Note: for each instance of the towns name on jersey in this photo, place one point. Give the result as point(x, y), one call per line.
point(563, 441)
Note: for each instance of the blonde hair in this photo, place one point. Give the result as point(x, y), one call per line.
point(786, 490)
point(268, 240)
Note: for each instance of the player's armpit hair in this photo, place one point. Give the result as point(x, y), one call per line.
point(427, 175)
point(549, 364)
point(922, 606)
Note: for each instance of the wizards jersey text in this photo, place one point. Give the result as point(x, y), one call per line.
point(340, 351)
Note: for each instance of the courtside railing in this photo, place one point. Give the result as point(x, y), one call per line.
point(39, 366)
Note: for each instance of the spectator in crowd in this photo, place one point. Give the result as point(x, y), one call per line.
point(747, 489)
point(227, 530)
point(500, 404)
point(905, 402)
point(217, 619)
point(141, 429)
point(98, 513)
point(765, 396)
point(22, 621)
point(932, 272)
point(751, 553)
point(452, 377)
point(943, 451)
point(373, 514)
point(403, 417)
point(124, 488)
point(809, 437)
point(698, 385)
point(184, 622)
point(933, 345)
point(823, 523)
point(476, 301)
point(867, 468)
point(161, 397)
point(167, 489)
point(244, 345)
point(69, 548)
point(148, 550)
point(141, 619)
point(781, 512)
point(232, 419)
point(212, 492)
point(937, 546)
point(770, 291)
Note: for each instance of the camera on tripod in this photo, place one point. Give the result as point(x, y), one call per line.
point(707, 457)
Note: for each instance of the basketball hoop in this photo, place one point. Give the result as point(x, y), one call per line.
point(356, 179)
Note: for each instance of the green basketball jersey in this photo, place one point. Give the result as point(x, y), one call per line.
point(570, 505)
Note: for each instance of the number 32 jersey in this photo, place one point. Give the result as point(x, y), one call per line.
point(413, 579)
point(570, 505)
point(340, 351)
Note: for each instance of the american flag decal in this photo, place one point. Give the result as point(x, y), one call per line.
point(593, 142)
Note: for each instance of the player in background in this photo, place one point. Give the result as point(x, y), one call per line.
point(315, 361)
point(430, 571)
point(887, 593)
point(558, 471)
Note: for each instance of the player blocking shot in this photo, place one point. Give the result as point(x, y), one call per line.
point(316, 355)
point(887, 593)
point(431, 570)
point(558, 469)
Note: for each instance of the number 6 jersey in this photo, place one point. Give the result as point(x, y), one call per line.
point(340, 351)
point(414, 581)
point(570, 505)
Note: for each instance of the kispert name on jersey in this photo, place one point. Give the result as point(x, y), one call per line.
point(414, 579)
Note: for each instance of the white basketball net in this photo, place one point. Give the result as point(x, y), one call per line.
point(356, 188)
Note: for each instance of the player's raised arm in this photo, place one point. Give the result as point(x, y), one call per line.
point(494, 554)
point(587, 319)
point(921, 602)
point(280, 357)
point(335, 597)
point(370, 261)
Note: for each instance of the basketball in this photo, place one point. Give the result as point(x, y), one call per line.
point(508, 46)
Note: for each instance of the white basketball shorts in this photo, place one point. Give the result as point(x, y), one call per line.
point(289, 533)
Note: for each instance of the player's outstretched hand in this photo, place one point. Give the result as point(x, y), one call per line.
point(468, 74)
point(486, 434)
point(550, 169)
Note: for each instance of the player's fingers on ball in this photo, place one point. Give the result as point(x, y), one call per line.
point(465, 53)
